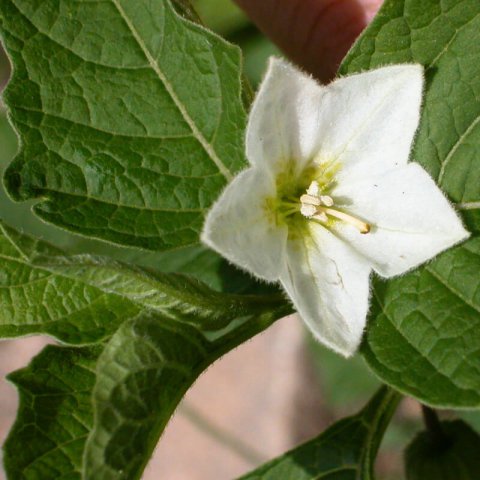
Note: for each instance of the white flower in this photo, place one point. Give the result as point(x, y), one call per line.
point(330, 194)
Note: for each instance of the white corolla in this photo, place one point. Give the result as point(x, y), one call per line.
point(330, 194)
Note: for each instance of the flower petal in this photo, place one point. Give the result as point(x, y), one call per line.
point(411, 219)
point(365, 121)
point(368, 120)
point(328, 283)
point(282, 125)
point(239, 228)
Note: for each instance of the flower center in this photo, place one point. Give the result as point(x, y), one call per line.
point(320, 207)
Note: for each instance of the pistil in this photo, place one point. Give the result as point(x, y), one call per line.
point(361, 226)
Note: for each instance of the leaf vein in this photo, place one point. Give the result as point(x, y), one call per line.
point(455, 147)
point(414, 347)
point(451, 289)
point(155, 66)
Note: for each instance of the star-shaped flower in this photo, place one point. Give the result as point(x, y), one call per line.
point(330, 195)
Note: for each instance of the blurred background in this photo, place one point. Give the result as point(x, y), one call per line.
point(270, 394)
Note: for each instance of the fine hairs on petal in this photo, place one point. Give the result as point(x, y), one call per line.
point(413, 220)
point(331, 195)
point(236, 226)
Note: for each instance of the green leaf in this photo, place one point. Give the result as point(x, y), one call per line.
point(196, 260)
point(55, 415)
point(186, 10)
point(84, 299)
point(143, 373)
point(210, 268)
point(455, 458)
point(345, 451)
point(7, 140)
point(120, 395)
point(159, 332)
point(36, 299)
point(131, 118)
point(426, 324)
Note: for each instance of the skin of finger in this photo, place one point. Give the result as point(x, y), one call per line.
point(315, 34)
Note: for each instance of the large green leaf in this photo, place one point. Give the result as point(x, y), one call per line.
point(426, 325)
point(155, 333)
point(453, 457)
point(35, 299)
point(121, 400)
point(143, 373)
point(195, 260)
point(84, 299)
point(55, 415)
point(346, 451)
point(131, 117)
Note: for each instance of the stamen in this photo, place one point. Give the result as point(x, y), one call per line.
point(308, 210)
point(321, 216)
point(361, 226)
point(313, 189)
point(310, 200)
point(326, 200)
point(317, 207)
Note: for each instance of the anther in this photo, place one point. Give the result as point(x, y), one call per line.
point(310, 200)
point(326, 200)
point(313, 189)
point(308, 210)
